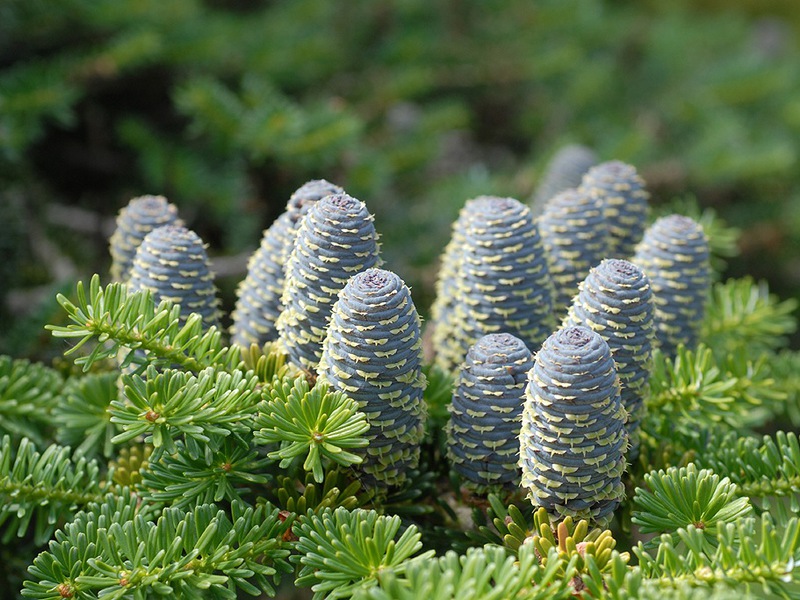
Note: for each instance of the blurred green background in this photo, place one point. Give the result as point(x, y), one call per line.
point(226, 107)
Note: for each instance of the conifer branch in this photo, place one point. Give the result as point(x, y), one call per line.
point(40, 489)
point(225, 472)
point(27, 396)
point(742, 313)
point(317, 423)
point(760, 468)
point(172, 404)
point(113, 551)
point(749, 554)
point(82, 418)
point(695, 387)
point(487, 573)
point(682, 497)
point(116, 318)
point(341, 550)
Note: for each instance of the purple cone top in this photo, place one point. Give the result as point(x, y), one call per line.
point(484, 426)
point(502, 283)
point(616, 301)
point(134, 222)
point(258, 303)
point(373, 353)
point(675, 255)
point(623, 196)
point(172, 263)
point(575, 236)
point(336, 240)
point(572, 437)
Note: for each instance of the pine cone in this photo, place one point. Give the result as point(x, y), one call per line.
point(134, 222)
point(483, 431)
point(258, 303)
point(172, 263)
point(616, 301)
point(572, 438)
point(564, 170)
point(675, 255)
point(503, 283)
point(622, 194)
point(336, 239)
point(575, 236)
point(373, 353)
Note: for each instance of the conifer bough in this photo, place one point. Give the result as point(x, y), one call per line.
point(134, 222)
point(373, 353)
point(258, 303)
point(616, 301)
point(483, 431)
point(623, 196)
point(573, 438)
point(336, 239)
point(675, 255)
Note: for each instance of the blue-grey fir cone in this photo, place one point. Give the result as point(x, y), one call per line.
point(675, 255)
point(258, 302)
point(624, 198)
point(575, 236)
point(373, 353)
point(443, 321)
point(572, 438)
point(563, 171)
point(484, 425)
point(503, 282)
point(172, 263)
point(616, 301)
point(336, 239)
point(134, 222)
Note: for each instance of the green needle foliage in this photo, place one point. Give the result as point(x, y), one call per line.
point(82, 418)
point(337, 490)
point(165, 407)
point(194, 554)
point(700, 388)
point(761, 468)
point(682, 497)
point(487, 573)
point(27, 397)
point(227, 471)
point(318, 423)
point(117, 319)
point(742, 313)
point(39, 489)
point(343, 550)
point(752, 556)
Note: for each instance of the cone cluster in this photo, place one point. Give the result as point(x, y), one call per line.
point(575, 235)
point(335, 240)
point(623, 197)
point(172, 263)
point(258, 303)
point(675, 255)
point(484, 425)
point(134, 222)
point(616, 301)
point(503, 281)
point(573, 438)
point(373, 353)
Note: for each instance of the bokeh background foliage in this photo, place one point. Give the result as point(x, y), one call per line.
point(413, 106)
